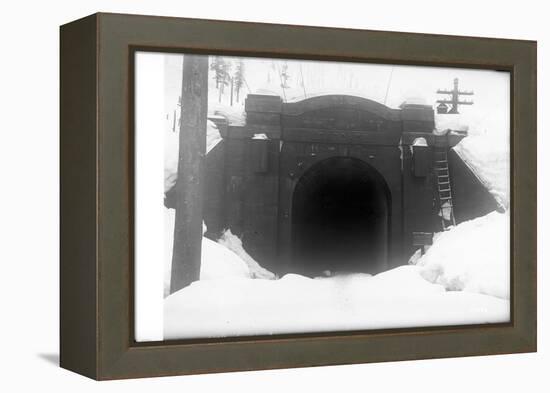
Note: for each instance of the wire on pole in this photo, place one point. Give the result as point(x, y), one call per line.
point(281, 79)
point(303, 82)
point(389, 83)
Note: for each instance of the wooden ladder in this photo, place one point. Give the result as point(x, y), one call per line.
point(441, 169)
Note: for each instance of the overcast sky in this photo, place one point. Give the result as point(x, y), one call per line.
point(389, 84)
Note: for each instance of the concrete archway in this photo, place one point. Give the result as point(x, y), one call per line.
point(340, 218)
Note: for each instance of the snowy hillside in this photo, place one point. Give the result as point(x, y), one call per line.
point(490, 161)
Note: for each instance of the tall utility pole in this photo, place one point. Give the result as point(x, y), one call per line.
point(454, 101)
point(186, 256)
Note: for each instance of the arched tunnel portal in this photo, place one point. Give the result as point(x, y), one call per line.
point(340, 218)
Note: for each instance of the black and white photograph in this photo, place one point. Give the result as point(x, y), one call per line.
point(296, 196)
point(275, 197)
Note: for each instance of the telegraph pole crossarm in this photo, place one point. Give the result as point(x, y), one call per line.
point(454, 101)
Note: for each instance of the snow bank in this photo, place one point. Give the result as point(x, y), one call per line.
point(294, 303)
point(450, 122)
point(414, 99)
point(261, 137)
point(462, 279)
point(213, 136)
point(486, 150)
point(476, 121)
point(489, 159)
point(472, 257)
point(171, 152)
point(226, 259)
point(235, 244)
point(235, 114)
point(219, 262)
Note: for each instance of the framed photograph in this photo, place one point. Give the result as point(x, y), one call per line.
point(240, 196)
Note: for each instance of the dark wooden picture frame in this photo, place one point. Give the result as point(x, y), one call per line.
point(97, 158)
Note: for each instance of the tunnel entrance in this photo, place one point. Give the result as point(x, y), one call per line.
point(340, 219)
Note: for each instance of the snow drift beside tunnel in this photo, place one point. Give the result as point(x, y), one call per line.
point(234, 243)
point(489, 159)
point(226, 259)
point(474, 256)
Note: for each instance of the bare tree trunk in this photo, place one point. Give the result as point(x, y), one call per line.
point(231, 102)
point(186, 257)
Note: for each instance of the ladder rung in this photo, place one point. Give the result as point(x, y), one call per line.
point(441, 169)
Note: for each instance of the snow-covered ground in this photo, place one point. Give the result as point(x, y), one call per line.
point(397, 298)
point(462, 279)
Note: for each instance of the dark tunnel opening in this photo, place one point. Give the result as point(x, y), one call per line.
point(340, 219)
